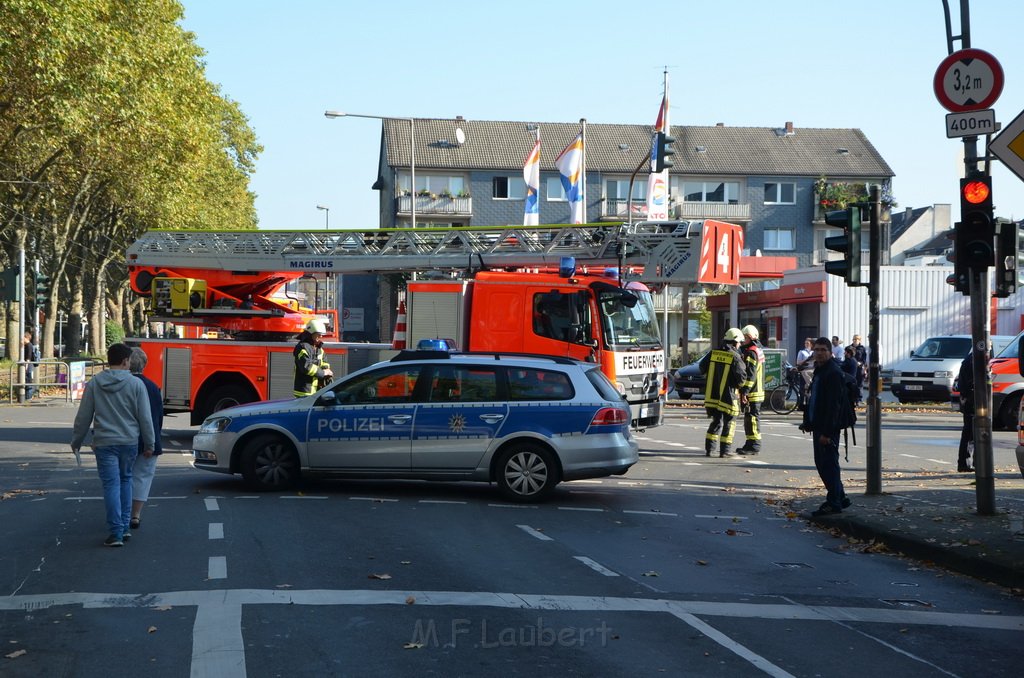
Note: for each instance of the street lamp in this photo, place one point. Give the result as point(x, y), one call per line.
point(327, 215)
point(412, 147)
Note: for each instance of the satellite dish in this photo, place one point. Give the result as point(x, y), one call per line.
point(460, 136)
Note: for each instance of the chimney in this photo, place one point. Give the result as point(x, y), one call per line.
point(789, 128)
point(719, 124)
point(460, 118)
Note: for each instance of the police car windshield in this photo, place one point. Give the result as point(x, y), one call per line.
point(628, 326)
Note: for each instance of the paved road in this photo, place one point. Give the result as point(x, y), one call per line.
point(685, 565)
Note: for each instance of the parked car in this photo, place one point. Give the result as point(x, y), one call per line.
point(928, 374)
point(524, 423)
point(688, 380)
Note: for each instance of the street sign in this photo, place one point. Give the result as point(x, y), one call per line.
point(971, 123)
point(1008, 146)
point(968, 80)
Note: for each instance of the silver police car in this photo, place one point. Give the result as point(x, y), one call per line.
point(523, 422)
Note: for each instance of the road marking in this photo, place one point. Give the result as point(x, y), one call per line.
point(515, 506)
point(652, 513)
point(81, 498)
point(217, 567)
point(216, 531)
point(534, 533)
point(595, 566)
point(941, 461)
point(579, 508)
point(301, 496)
point(211, 504)
point(757, 462)
point(440, 501)
point(728, 643)
point(378, 499)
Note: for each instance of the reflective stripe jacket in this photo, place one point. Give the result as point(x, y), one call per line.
point(309, 367)
point(725, 372)
point(753, 385)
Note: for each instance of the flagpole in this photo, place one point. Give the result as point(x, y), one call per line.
point(583, 167)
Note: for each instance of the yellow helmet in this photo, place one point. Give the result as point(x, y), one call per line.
point(733, 334)
point(751, 331)
point(316, 326)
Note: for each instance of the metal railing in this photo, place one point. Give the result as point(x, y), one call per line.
point(59, 370)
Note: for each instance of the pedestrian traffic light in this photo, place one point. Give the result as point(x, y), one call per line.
point(1007, 240)
point(848, 243)
point(976, 230)
point(42, 288)
point(662, 148)
point(10, 290)
point(958, 279)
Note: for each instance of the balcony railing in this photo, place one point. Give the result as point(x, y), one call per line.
point(711, 210)
point(618, 208)
point(426, 204)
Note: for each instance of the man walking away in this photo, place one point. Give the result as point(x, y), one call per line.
point(117, 403)
point(752, 390)
point(145, 463)
point(725, 372)
point(821, 420)
point(30, 354)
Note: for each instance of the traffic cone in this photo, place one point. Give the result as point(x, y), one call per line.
point(398, 342)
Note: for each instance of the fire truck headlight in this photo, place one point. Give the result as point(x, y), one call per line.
point(215, 424)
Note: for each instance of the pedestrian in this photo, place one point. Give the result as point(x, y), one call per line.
point(821, 420)
point(311, 370)
point(860, 354)
point(965, 380)
point(116, 406)
point(850, 366)
point(30, 354)
point(145, 463)
point(725, 373)
point(805, 362)
point(837, 348)
point(752, 390)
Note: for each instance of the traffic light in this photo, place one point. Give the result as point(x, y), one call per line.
point(42, 288)
point(958, 279)
point(977, 227)
point(848, 244)
point(661, 149)
point(9, 288)
point(1006, 258)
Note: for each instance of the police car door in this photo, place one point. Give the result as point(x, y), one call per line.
point(459, 420)
point(369, 423)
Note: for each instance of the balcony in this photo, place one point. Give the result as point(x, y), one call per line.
point(434, 205)
point(618, 209)
point(711, 210)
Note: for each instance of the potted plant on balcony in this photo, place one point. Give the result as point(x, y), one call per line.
point(446, 194)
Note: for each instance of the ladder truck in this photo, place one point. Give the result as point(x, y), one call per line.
point(577, 291)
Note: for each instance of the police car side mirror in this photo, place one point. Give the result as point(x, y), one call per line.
point(327, 399)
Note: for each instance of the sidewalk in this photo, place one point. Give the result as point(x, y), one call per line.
point(933, 517)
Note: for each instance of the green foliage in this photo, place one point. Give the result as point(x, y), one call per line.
point(838, 195)
point(115, 333)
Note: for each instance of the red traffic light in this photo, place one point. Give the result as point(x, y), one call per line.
point(976, 192)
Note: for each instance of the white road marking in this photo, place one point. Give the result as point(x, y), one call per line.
point(728, 643)
point(439, 501)
point(941, 461)
point(652, 513)
point(301, 496)
point(596, 567)
point(379, 499)
point(217, 567)
point(82, 498)
point(211, 504)
point(515, 506)
point(217, 647)
point(534, 533)
point(757, 462)
point(580, 508)
point(216, 531)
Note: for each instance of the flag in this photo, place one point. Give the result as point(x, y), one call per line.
point(657, 183)
point(531, 175)
point(570, 167)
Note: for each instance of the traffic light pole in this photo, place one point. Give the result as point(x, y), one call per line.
point(985, 484)
point(873, 448)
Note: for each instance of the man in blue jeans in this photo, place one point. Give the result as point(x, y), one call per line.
point(118, 404)
point(821, 420)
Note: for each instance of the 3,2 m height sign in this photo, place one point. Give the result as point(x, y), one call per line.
point(968, 80)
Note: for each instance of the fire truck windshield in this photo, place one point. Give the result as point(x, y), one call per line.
point(628, 319)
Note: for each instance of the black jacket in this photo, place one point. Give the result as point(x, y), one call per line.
point(822, 413)
point(966, 382)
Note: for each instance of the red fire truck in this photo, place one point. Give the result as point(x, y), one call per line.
point(576, 291)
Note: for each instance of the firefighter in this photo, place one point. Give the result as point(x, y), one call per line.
point(311, 370)
point(725, 373)
point(752, 390)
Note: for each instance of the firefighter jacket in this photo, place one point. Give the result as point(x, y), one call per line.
point(309, 366)
point(725, 372)
point(753, 385)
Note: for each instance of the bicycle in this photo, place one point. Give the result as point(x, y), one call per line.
point(786, 398)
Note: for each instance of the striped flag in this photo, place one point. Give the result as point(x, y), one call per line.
point(531, 175)
point(570, 167)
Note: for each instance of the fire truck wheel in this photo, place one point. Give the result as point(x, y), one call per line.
point(269, 462)
point(226, 396)
point(1007, 419)
point(526, 472)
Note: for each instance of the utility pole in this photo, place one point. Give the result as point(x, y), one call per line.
point(873, 447)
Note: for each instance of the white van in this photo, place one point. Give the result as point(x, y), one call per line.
point(928, 374)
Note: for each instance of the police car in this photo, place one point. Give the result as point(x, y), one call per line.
point(523, 422)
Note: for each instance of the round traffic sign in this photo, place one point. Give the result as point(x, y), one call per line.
point(968, 80)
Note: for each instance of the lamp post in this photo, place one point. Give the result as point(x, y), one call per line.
point(412, 149)
point(327, 216)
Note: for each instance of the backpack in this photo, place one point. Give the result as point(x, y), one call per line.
point(848, 395)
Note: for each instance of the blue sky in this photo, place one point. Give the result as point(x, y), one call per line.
point(825, 63)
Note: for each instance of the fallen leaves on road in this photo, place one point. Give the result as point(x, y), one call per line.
point(162, 608)
point(652, 573)
point(16, 654)
point(702, 563)
point(412, 646)
point(151, 629)
point(410, 600)
point(283, 586)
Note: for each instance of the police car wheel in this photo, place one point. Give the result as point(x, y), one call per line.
point(269, 463)
point(526, 472)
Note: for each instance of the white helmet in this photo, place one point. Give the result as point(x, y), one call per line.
point(316, 326)
point(733, 334)
point(751, 331)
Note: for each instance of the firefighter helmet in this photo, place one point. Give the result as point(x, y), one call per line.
point(316, 326)
point(751, 331)
point(733, 334)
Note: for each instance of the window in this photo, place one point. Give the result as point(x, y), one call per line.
point(464, 385)
point(531, 384)
point(509, 188)
point(390, 385)
point(727, 192)
point(563, 317)
point(780, 238)
point(618, 189)
point(555, 190)
point(779, 193)
point(434, 184)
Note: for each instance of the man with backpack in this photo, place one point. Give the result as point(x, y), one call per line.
point(725, 372)
point(823, 419)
